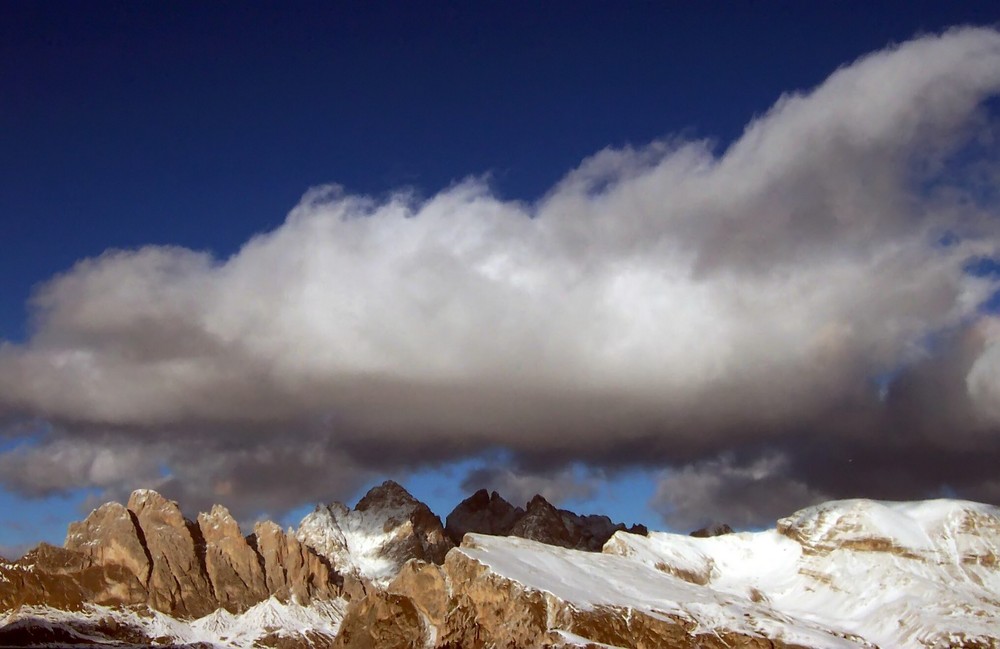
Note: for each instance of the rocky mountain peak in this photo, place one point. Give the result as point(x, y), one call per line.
point(542, 522)
point(487, 513)
point(538, 502)
point(483, 512)
point(147, 552)
point(389, 494)
point(715, 529)
point(371, 542)
point(143, 500)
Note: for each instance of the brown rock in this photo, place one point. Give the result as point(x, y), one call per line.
point(178, 583)
point(111, 535)
point(291, 569)
point(234, 568)
point(65, 579)
point(382, 621)
point(426, 585)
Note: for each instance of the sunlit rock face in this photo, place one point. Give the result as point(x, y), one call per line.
point(178, 582)
point(234, 568)
point(148, 553)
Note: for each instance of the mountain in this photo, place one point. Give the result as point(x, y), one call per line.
point(845, 574)
point(371, 542)
point(386, 574)
point(487, 513)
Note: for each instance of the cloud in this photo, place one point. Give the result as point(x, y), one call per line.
point(724, 491)
point(518, 488)
point(660, 305)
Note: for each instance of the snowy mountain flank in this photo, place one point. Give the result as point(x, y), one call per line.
point(387, 573)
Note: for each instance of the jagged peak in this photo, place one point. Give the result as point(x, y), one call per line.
point(149, 499)
point(388, 494)
point(267, 527)
point(538, 502)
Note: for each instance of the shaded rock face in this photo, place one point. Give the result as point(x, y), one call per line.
point(387, 528)
point(482, 513)
point(148, 553)
point(542, 522)
point(715, 529)
point(488, 513)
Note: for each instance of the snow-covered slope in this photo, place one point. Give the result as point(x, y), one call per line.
point(264, 623)
point(853, 573)
point(387, 528)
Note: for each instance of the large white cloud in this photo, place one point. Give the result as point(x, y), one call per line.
point(659, 305)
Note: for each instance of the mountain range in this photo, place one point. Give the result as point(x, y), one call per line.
point(387, 573)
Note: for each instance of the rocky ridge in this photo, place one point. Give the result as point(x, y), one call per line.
point(489, 513)
point(147, 553)
point(848, 574)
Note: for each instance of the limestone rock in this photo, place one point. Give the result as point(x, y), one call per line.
point(387, 528)
point(65, 579)
point(426, 585)
point(382, 621)
point(111, 535)
point(234, 568)
point(482, 513)
point(542, 523)
point(425, 535)
point(488, 513)
point(291, 569)
point(178, 583)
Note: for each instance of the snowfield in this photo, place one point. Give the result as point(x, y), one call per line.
point(219, 629)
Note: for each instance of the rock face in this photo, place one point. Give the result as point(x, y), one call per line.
point(178, 583)
point(65, 579)
point(148, 553)
point(488, 513)
point(234, 568)
point(111, 535)
point(387, 528)
point(482, 513)
point(715, 529)
point(291, 569)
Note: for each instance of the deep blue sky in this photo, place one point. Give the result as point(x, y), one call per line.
point(199, 124)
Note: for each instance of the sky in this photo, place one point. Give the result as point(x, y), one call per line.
point(672, 262)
